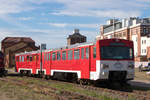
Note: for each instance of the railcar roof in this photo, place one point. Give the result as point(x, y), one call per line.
point(61, 48)
point(75, 46)
point(32, 52)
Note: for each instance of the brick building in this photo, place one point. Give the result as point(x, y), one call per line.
point(133, 28)
point(12, 45)
point(76, 37)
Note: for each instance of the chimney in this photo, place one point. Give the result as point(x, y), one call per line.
point(76, 30)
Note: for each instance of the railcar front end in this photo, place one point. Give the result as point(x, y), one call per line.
point(116, 61)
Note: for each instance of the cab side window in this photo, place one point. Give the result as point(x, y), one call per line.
point(94, 52)
point(82, 53)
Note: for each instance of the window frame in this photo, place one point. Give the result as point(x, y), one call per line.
point(94, 52)
point(87, 52)
point(70, 54)
point(58, 52)
point(53, 56)
point(82, 53)
point(64, 57)
point(77, 54)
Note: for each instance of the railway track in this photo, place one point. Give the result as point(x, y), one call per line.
point(47, 90)
point(122, 94)
point(66, 95)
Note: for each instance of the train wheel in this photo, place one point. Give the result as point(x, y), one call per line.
point(83, 82)
point(47, 77)
point(29, 73)
point(21, 73)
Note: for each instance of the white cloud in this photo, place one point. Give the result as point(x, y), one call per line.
point(25, 18)
point(102, 8)
point(13, 6)
point(58, 24)
point(74, 25)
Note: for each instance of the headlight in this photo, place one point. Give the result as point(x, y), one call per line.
point(104, 66)
point(131, 66)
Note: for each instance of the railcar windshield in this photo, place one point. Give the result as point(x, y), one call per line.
point(116, 52)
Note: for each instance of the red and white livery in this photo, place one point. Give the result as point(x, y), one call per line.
point(108, 59)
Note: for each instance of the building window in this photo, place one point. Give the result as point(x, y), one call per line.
point(124, 34)
point(87, 53)
point(64, 55)
point(70, 55)
point(58, 55)
point(149, 30)
point(144, 30)
point(76, 54)
point(82, 53)
point(144, 41)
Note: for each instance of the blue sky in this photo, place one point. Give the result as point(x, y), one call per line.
point(51, 21)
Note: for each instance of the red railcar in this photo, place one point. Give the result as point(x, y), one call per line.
point(108, 59)
point(2, 68)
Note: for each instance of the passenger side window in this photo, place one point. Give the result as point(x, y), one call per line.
point(31, 58)
point(54, 56)
point(94, 52)
point(87, 53)
point(27, 58)
point(20, 58)
point(76, 54)
point(82, 53)
point(70, 55)
point(64, 55)
point(49, 56)
point(58, 55)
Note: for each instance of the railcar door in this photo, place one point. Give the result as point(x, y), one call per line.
point(93, 58)
point(23, 62)
point(85, 62)
point(34, 63)
point(38, 61)
point(17, 62)
point(46, 62)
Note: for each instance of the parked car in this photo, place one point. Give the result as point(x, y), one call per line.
point(146, 68)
